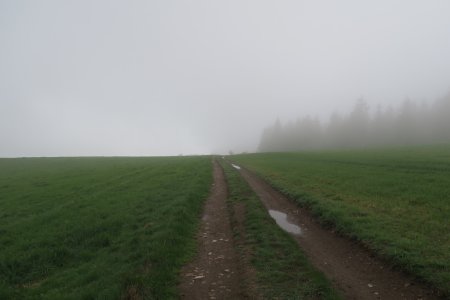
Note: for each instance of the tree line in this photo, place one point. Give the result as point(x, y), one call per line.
point(411, 123)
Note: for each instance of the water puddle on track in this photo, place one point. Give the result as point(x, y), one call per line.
point(281, 219)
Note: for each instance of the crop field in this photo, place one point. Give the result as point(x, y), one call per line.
point(395, 201)
point(98, 228)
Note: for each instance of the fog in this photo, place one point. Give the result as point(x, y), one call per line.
point(411, 123)
point(198, 77)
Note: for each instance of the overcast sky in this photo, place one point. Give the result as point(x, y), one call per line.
point(170, 77)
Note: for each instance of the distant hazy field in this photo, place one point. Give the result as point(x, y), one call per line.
point(396, 201)
point(97, 228)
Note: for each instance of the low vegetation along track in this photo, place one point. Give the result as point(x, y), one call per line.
point(354, 272)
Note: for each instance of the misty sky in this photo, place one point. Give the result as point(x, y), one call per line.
point(196, 77)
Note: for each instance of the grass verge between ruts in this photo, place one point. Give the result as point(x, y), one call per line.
point(282, 270)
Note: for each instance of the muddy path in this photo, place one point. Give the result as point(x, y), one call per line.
point(353, 270)
point(215, 272)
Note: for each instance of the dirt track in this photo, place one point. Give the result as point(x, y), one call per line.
point(217, 272)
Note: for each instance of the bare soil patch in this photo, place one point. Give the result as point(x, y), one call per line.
point(353, 270)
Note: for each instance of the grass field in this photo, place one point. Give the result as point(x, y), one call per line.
point(396, 201)
point(98, 228)
point(282, 270)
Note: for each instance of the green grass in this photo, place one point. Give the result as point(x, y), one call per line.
point(98, 228)
point(282, 270)
point(395, 201)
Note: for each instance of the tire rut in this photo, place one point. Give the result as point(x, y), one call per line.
point(214, 273)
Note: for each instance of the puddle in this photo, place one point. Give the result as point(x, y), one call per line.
point(236, 166)
point(281, 219)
